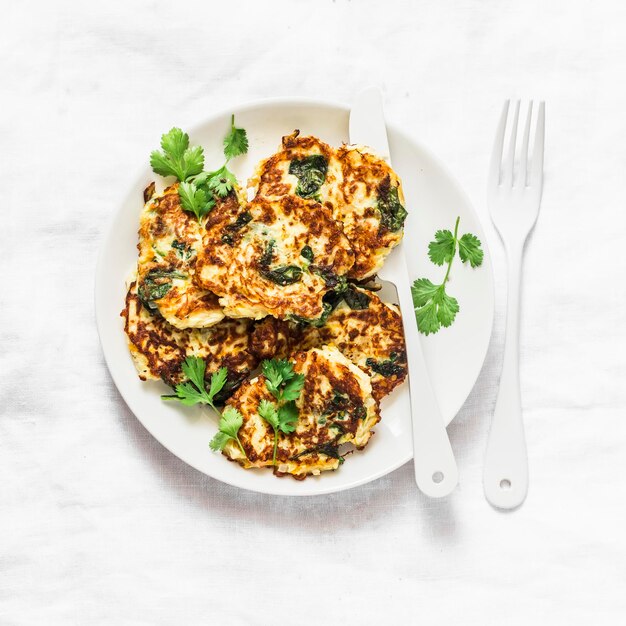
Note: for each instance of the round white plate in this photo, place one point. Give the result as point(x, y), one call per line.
point(454, 355)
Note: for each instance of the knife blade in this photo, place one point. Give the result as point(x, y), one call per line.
point(436, 472)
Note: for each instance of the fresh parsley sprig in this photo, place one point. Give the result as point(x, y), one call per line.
point(230, 423)
point(195, 200)
point(177, 158)
point(282, 382)
point(281, 419)
point(197, 188)
point(193, 391)
point(236, 142)
point(285, 385)
point(434, 307)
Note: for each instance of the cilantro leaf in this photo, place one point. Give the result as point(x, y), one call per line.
point(273, 379)
point(194, 200)
point(177, 158)
point(470, 250)
point(218, 380)
point(281, 419)
point(285, 385)
point(422, 291)
point(219, 440)
point(426, 318)
point(194, 368)
point(288, 417)
point(442, 249)
point(187, 394)
point(222, 182)
point(277, 372)
point(231, 421)
point(268, 411)
point(447, 308)
point(292, 388)
point(193, 391)
point(229, 425)
point(440, 310)
point(236, 142)
point(434, 307)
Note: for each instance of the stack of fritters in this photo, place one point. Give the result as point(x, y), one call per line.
point(275, 277)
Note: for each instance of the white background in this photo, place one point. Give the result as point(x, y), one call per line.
point(100, 525)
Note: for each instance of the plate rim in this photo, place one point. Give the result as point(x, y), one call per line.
point(269, 102)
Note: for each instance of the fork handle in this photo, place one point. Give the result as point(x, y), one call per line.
point(505, 473)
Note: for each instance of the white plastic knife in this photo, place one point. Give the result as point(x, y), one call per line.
point(436, 472)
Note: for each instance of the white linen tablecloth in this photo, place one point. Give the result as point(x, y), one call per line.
point(101, 525)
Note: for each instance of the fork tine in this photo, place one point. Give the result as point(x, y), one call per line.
point(524, 153)
point(536, 166)
point(496, 154)
point(507, 165)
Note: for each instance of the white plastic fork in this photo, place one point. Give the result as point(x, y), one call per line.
point(514, 198)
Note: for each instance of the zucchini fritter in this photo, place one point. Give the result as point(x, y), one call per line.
point(335, 406)
point(158, 349)
point(369, 332)
point(370, 204)
point(169, 241)
point(273, 257)
point(360, 189)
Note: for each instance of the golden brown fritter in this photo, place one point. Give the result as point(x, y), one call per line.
point(368, 332)
point(273, 257)
point(335, 407)
point(158, 349)
point(370, 204)
point(273, 177)
point(359, 188)
point(169, 241)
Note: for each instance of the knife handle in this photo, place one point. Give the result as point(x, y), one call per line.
point(436, 472)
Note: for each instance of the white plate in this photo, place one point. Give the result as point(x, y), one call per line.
point(454, 355)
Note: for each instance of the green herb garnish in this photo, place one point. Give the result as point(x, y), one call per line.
point(193, 391)
point(236, 142)
point(281, 419)
point(229, 425)
point(177, 158)
point(434, 308)
point(280, 379)
point(185, 163)
point(285, 385)
point(195, 200)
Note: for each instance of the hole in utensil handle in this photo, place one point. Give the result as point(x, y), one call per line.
point(437, 477)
